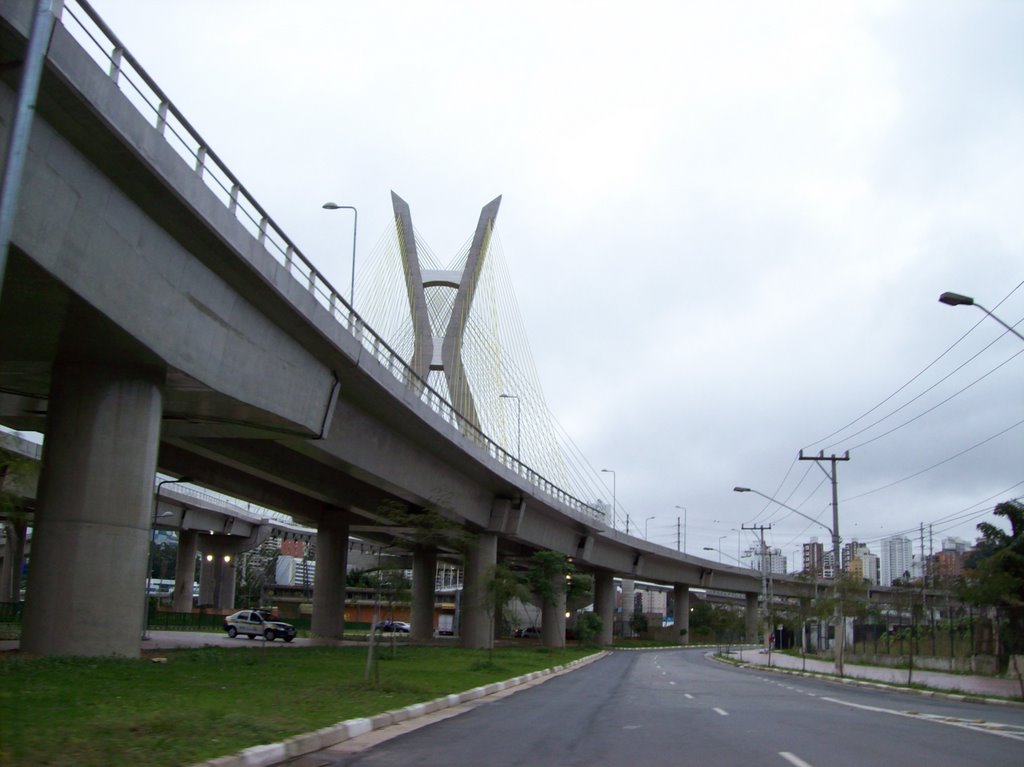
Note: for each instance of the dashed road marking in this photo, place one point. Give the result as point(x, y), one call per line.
point(793, 759)
point(687, 696)
point(720, 711)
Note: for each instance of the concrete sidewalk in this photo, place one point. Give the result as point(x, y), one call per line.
point(967, 684)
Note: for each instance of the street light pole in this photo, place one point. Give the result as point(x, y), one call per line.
point(684, 528)
point(612, 472)
point(149, 558)
point(956, 299)
point(519, 421)
point(645, 526)
point(833, 531)
point(355, 227)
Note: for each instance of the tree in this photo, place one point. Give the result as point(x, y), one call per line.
point(995, 577)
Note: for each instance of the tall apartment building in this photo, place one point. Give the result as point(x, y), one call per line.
point(776, 562)
point(897, 559)
point(864, 567)
point(814, 558)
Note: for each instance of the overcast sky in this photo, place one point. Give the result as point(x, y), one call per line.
point(727, 223)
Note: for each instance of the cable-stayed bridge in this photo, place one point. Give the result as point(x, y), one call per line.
point(154, 316)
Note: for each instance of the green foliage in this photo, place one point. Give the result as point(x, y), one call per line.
point(502, 584)
point(363, 579)
point(638, 623)
point(588, 627)
point(546, 575)
point(996, 572)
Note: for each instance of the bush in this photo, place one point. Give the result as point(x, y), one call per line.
point(588, 627)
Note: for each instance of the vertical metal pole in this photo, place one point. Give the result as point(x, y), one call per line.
point(840, 621)
point(44, 18)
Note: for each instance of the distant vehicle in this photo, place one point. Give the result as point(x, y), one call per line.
point(529, 631)
point(255, 623)
point(400, 627)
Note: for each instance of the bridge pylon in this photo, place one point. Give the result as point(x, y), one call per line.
point(443, 353)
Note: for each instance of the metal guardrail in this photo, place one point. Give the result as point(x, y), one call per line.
point(103, 46)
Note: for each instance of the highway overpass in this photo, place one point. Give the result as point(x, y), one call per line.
point(153, 316)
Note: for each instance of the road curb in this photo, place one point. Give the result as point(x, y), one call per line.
point(962, 697)
point(317, 740)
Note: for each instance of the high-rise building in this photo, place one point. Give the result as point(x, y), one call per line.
point(896, 559)
point(814, 558)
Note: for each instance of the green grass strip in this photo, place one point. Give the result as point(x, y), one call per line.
point(210, 702)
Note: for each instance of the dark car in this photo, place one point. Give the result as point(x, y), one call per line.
point(394, 626)
point(254, 623)
point(530, 631)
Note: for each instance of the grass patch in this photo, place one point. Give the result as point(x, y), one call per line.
point(215, 701)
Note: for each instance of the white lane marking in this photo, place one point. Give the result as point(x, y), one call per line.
point(671, 683)
point(793, 759)
point(1014, 732)
point(720, 711)
point(688, 696)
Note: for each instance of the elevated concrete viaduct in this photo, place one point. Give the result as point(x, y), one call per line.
point(154, 316)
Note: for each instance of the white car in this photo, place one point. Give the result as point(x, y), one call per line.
point(255, 623)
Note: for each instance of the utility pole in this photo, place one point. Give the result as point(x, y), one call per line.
point(764, 575)
point(836, 561)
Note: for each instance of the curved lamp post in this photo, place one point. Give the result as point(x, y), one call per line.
point(355, 227)
point(519, 422)
point(956, 299)
point(684, 528)
point(835, 568)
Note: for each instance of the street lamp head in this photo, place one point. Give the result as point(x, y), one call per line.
point(331, 206)
point(741, 489)
point(709, 548)
point(608, 471)
point(955, 299)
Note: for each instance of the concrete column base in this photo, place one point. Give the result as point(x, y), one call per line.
point(217, 580)
point(753, 630)
point(424, 578)
point(604, 605)
point(552, 620)
point(185, 570)
point(477, 624)
point(95, 503)
point(682, 613)
point(14, 558)
point(329, 582)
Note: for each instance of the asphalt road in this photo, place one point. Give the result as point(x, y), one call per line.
point(680, 708)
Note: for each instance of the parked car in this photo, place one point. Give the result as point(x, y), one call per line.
point(529, 631)
point(398, 626)
point(255, 623)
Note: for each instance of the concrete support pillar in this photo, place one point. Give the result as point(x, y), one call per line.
point(805, 609)
point(14, 558)
point(604, 605)
point(94, 507)
point(217, 580)
point(753, 624)
point(424, 578)
point(477, 623)
point(628, 602)
point(682, 610)
point(552, 617)
point(185, 570)
point(329, 581)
